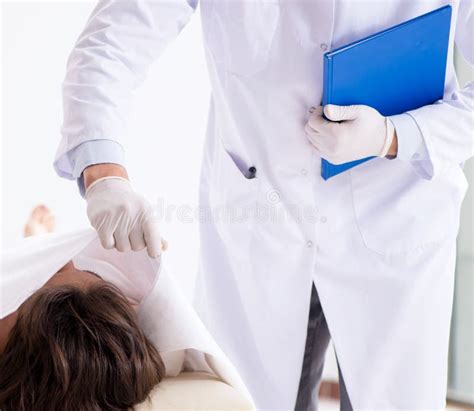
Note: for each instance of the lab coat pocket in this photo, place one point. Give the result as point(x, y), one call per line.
point(398, 212)
point(233, 200)
point(239, 34)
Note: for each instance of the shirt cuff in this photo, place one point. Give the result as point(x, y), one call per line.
point(93, 152)
point(411, 145)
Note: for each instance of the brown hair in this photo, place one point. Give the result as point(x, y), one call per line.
point(75, 349)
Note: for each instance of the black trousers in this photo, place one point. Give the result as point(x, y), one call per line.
point(317, 341)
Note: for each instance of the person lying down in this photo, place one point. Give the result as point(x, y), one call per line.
point(84, 328)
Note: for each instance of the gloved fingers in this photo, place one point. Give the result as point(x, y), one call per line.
point(151, 232)
point(341, 113)
point(317, 139)
point(316, 121)
point(137, 240)
point(334, 159)
point(105, 232)
point(122, 242)
point(106, 239)
point(314, 140)
point(318, 151)
point(310, 132)
point(323, 152)
point(317, 136)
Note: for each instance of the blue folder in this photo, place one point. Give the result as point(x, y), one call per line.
point(396, 70)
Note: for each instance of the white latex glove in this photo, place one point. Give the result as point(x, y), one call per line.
point(123, 219)
point(353, 132)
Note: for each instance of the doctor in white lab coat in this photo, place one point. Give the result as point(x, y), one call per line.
point(378, 241)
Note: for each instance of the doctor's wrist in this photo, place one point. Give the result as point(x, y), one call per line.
point(393, 150)
point(97, 171)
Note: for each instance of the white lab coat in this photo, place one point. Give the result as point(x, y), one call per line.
point(164, 314)
point(378, 241)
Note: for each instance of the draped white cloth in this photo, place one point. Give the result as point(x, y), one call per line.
point(165, 315)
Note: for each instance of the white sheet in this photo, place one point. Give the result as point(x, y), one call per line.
point(165, 314)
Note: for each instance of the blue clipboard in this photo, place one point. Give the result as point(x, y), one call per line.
point(396, 70)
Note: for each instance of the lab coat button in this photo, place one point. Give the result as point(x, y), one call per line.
point(324, 46)
point(304, 172)
point(309, 244)
point(323, 219)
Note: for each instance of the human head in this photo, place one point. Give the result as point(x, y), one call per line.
point(77, 349)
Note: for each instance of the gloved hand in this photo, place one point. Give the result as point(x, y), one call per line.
point(123, 219)
point(353, 132)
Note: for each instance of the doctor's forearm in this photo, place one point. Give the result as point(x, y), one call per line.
point(96, 171)
point(393, 150)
